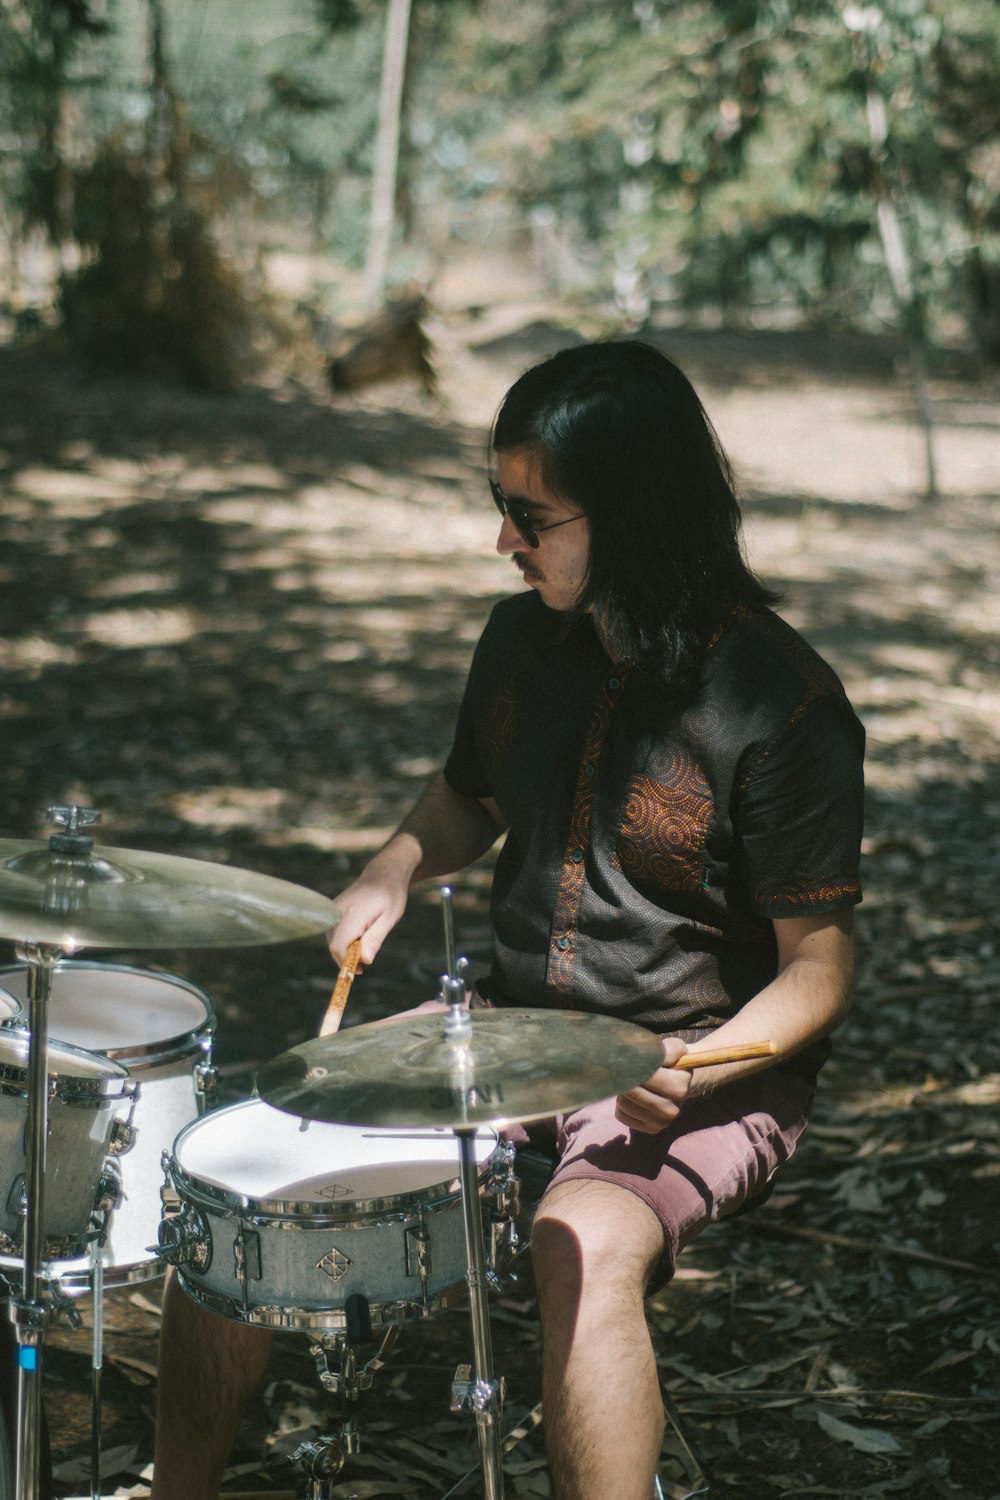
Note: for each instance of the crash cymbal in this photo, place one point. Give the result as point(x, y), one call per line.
point(124, 898)
point(515, 1065)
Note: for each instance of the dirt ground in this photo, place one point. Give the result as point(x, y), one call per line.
point(238, 625)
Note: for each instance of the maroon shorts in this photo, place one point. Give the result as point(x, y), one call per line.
point(719, 1154)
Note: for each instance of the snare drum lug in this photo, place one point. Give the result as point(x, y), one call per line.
point(418, 1252)
point(109, 1191)
point(123, 1137)
point(206, 1079)
point(124, 1132)
point(246, 1257)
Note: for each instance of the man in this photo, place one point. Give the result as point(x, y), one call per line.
point(678, 779)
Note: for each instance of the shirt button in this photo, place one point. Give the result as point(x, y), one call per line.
point(562, 944)
point(614, 683)
point(590, 770)
point(576, 856)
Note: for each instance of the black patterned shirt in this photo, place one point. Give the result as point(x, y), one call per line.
point(643, 868)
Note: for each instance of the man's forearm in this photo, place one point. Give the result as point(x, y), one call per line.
point(445, 831)
point(810, 997)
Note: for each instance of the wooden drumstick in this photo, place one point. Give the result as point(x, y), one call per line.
point(725, 1055)
point(341, 990)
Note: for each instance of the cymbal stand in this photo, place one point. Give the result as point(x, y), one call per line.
point(479, 1391)
point(474, 1387)
point(28, 1312)
point(96, 1365)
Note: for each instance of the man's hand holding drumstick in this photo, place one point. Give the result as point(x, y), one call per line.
point(655, 1104)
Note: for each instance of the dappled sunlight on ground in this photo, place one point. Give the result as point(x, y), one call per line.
point(239, 625)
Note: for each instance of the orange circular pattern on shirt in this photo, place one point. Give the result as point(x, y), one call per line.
point(665, 826)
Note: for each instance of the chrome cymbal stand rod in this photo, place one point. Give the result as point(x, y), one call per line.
point(97, 1365)
point(482, 1394)
point(28, 1312)
point(474, 1388)
point(458, 1027)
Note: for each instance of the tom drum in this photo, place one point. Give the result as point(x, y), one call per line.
point(160, 1029)
point(87, 1096)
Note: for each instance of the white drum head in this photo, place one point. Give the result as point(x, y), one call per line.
point(115, 1010)
point(254, 1151)
point(10, 1007)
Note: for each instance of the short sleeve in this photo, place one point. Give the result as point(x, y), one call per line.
point(799, 813)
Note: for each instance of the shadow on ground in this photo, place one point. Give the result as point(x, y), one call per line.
point(239, 626)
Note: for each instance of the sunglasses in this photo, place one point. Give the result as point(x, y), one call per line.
point(522, 525)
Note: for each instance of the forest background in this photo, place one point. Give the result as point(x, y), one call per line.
point(242, 579)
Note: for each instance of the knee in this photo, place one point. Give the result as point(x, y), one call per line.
point(584, 1245)
point(557, 1257)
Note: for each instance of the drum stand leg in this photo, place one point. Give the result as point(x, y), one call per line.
point(481, 1394)
point(527, 1425)
point(28, 1312)
point(694, 1483)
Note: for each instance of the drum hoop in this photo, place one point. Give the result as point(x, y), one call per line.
point(430, 1198)
point(68, 1087)
point(172, 1049)
point(151, 1054)
point(268, 1315)
point(359, 1213)
point(74, 1279)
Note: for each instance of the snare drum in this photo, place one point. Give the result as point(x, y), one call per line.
point(159, 1028)
point(87, 1094)
point(281, 1220)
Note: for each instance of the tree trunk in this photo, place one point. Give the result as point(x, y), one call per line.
point(383, 212)
point(897, 262)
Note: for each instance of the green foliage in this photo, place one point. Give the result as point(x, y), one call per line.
point(39, 42)
point(726, 147)
point(338, 15)
point(721, 151)
point(154, 295)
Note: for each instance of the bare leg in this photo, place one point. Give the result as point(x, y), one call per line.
point(209, 1367)
point(593, 1247)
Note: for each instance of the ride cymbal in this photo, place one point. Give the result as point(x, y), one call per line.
point(125, 898)
point(515, 1065)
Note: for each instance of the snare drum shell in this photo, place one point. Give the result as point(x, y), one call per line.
point(160, 1028)
point(86, 1094)
point(287, 1249)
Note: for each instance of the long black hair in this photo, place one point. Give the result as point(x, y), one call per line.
point(618, 430)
